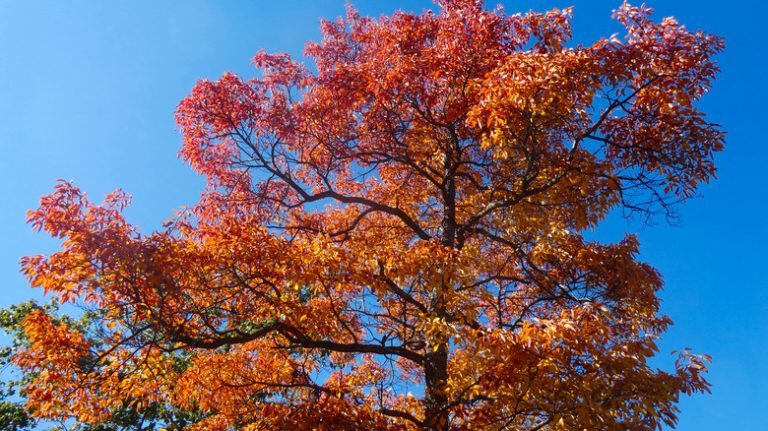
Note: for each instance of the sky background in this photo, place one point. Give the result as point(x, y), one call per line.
point(88, 92)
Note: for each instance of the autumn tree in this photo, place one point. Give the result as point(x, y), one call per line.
point(391, 239)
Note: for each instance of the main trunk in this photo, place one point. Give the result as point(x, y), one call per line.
point(436, 376)
point(436, 363)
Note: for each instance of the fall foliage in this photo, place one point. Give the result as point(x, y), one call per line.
point(14, 416)
point(392, 238)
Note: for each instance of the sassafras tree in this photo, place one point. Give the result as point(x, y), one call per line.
point(391, 239)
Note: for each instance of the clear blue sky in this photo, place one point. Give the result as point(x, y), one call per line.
point(88, 92)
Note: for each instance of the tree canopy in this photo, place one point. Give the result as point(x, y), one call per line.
point(391, 239)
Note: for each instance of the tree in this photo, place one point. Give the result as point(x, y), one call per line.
point(391, 240)
point(13, 415)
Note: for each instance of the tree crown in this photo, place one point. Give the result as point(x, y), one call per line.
point(391, 240)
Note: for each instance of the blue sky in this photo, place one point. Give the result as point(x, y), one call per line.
point(88, 92)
